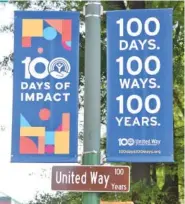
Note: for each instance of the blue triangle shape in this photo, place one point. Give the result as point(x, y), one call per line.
point(24, 122)
point(35, 140)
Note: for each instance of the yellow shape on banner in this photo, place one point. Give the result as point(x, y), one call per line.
point(32, 131)
point(32, 28)
point(62, 142)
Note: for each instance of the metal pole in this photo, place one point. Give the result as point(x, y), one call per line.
point(91, 155)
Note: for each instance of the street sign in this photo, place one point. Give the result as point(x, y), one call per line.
point(45, 87)
point(91, 178)
point(139, 86)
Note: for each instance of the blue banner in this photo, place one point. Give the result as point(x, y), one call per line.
point(45, 87)
point(139, 86)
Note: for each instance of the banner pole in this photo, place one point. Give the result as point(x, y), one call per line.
point(91, 155)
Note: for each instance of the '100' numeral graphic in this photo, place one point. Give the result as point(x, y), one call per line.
point(58, 68)
point(141, 65)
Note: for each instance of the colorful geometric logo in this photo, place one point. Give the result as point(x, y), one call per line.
point(48, 29)
point(36, 140)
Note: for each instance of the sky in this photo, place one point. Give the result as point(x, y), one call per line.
point(20, 181)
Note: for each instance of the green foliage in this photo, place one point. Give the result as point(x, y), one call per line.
point(160, 176)
point(58, 198)
point(147, 194)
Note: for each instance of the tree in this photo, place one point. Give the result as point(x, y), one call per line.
point(58, 198)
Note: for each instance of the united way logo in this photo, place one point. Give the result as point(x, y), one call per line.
point(59, 68)
point(48, 29)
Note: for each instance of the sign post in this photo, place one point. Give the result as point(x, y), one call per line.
point(91, 154)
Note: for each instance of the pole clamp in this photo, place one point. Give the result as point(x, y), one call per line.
point(90, 152)
point(93, 9)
